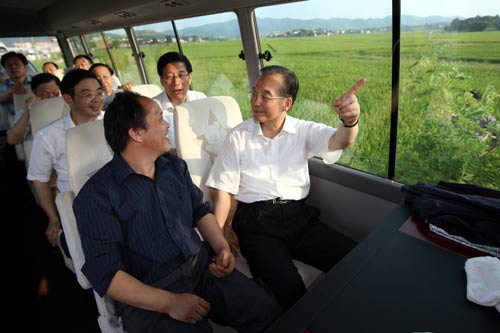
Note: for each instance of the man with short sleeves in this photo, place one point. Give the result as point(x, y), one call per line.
point(263, 163)
point(82, 91)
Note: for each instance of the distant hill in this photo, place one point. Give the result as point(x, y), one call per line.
point(269, 26)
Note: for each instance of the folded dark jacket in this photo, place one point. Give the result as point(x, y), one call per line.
point(469, 211)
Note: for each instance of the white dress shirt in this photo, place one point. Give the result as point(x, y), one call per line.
point(168, 110)
point(255, 168)
point(49, 152)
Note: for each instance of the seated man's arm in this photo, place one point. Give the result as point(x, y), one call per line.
point(6, 95)
point(45, 200)
point(187, 308)
point(222, 205)
point(224, 209)
point(224, 261)
point(16, 133)
point(348, 109)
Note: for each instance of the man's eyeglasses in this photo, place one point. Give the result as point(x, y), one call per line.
point(89, 95)
point(265, 98)
point(171, 77)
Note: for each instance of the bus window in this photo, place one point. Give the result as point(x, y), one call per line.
point(153, 41)
point(112, 48)
point(217, 70)
point(37, 50)
point(329, 58)
point(76, 46)
point(449, 95)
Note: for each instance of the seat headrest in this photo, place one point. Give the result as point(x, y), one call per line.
point(46, 111)
point(87, 151)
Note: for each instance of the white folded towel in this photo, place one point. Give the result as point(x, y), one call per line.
point(483, 281)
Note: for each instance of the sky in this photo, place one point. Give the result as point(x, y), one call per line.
point(357, 9)
point(378, 9)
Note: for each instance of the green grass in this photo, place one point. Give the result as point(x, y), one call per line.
point(328, 66)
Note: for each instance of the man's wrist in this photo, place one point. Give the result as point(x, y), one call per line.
point(349, 125)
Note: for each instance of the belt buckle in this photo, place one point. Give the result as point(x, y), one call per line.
point(278, 201)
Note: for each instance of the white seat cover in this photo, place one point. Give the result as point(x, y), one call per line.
point(148, 90)
point(87, 151)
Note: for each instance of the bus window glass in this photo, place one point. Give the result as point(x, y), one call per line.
point(122, 60)
point(217, 70)
point(37, 50)
point(97, 47)
point(449, 96)
point(153, 41)
point(330, 47)
point(76, 45)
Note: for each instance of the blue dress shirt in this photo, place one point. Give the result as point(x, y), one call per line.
point(143, 226)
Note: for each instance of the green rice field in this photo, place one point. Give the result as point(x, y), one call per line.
point(442, 134)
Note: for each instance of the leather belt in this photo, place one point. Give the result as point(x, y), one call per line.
point(277, 201)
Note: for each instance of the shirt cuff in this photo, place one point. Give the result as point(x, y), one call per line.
point(332, 156)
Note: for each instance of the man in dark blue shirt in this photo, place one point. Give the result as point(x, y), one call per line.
point(137, 218)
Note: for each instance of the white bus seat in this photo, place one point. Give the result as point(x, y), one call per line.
point(46, 111)
point(42, 113)
point(148, 90)
point(87, 151)
point(201, 127)
point(19, 100)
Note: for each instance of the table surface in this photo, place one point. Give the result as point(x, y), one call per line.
point(395, 280)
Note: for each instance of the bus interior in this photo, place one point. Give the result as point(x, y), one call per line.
point(421, 119)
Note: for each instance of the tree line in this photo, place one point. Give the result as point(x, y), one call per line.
point(478, 23)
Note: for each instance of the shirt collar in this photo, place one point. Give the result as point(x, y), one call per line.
point(122, 170)
point(10, 82)
point(290, 126)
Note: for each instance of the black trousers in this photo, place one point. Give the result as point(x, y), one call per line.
point(271, 235)
point(235, 301)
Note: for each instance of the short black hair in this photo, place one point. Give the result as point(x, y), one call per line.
point(72, 78)
point(99, 64)
point(50, 62)
point(82, 56)
point(290, 81)
point(171, 57)
point(13, 54)
point(43, 78)
point(124, 112)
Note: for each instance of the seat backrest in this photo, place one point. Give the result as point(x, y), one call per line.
point(148, 90)
point(200, 129)
point(46, 111)
point(19, 99)
point(86, 152)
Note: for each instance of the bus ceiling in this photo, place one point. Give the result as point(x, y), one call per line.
point(70, 18)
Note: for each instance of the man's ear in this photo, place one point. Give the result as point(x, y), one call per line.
point(68, 99)
point(136, 134)
point(287, 105)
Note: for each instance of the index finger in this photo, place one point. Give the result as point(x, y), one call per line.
point(355, 88)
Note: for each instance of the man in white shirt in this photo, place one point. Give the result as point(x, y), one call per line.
point(263, 163)
point(82, 91)
point(176, 74)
